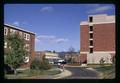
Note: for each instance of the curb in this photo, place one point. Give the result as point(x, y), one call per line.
point(64, 73)
point(99, 74)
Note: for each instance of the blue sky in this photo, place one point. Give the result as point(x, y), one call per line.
point(57, 26)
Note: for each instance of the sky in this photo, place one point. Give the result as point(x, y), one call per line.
point(56, 26)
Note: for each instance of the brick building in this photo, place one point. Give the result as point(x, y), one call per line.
point(29, 38)
point(39, 55)
point(97, 39)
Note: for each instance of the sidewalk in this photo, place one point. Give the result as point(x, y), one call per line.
point(57, 76)
point(64, 73)
point(76, 66)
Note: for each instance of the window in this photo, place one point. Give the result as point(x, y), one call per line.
point(90, 19)
point(27, 47)
point(91, 42)
point(91, 28)
point(20, 33)
point(5, 44)
point(26, 36)
point(91, 35)
point(91, 50)
point(5, 31)
point(26, 59)
point(12, 31)
point(9, 47)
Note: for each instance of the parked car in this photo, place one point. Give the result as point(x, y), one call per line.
point(60, 63)
point(8, 69)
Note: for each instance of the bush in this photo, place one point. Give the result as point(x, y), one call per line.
point(40, 65)
point(35, 64)
point(102, 62)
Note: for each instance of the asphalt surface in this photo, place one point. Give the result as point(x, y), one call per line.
point(81, 73)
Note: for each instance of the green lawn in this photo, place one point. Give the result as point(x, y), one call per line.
point(106, 72)
point(29, 73)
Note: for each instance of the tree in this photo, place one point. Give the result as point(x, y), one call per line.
point(71, 53)
point(71, 50)
point(38, 64)
point(54, 51)
point(102, 61)
point(16, 53)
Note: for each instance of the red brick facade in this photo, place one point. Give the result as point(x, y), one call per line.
point(84, 38)
point(102, 43)
point(104, 37)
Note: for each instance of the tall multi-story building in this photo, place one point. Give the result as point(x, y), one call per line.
point(97, 39)
point(29, 38)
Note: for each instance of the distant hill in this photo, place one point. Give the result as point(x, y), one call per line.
point(62, 54)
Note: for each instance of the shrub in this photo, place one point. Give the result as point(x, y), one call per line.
point(102, 62)
point(40, 65)
point(35, 64)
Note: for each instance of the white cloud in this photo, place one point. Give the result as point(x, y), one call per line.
point(46, 9)
point(99, 9)
point(50, 39)
point(37, 40)
point(46, 37)
point(16, 23)
point(59, 40)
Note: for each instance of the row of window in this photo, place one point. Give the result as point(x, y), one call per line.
point(91, 39)
point(27, 46)
point(12, 31)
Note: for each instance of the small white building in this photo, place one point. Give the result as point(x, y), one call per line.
point(52, 57)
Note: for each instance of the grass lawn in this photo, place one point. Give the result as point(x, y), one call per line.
point(106, 72)
point(30, 73)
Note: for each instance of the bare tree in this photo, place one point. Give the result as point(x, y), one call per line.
point(71, 53)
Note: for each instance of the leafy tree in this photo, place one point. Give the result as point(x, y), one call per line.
point(35, 64)
point(16, 53)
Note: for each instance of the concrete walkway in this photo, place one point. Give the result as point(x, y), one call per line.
point(64, 73)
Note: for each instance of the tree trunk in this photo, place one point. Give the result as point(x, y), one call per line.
point(15, 71)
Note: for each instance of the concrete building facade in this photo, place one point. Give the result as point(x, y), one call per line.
point(51, 56)
point(97, 39)
point(29, 39)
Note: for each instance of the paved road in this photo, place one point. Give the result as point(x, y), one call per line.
point(81, 73)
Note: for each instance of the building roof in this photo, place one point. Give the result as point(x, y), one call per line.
point(100, 19)
point(18, 28)
point(51, 54)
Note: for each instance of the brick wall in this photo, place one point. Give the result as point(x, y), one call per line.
point(84, 38)
point(104, 37)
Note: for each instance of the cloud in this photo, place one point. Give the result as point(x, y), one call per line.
point(16, 23)
point(46, 37)
point(59, 40)
point(46, 9)
point(99, 9)
point(50, 39)
point(37, 40)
